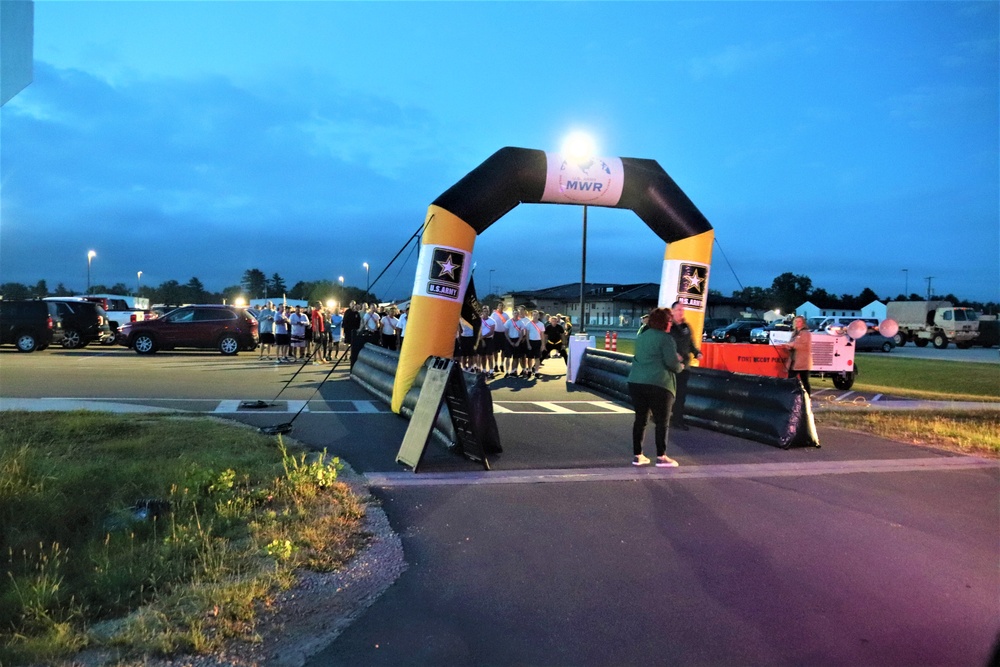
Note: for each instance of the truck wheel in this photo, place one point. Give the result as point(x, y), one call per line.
point(887, 346)
point(921, 342)
point(71, 340)
point(940, 341)
point(144, 344)
point(229, 345)
point(899, 339)
point(26, 343)
point(843, 381)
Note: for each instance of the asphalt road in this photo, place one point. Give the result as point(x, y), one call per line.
point(864, 551)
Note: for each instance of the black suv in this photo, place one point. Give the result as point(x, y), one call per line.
point(737, 332)
point(29, 325)
point(83, 322)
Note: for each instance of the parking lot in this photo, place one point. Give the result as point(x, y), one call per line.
point(833, 542)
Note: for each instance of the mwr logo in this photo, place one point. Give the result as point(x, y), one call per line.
point(597, 181)
point(445, 273)
point(691, 282)
point(585, 181)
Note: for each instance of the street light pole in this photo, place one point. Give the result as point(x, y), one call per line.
point(90, 256)
point(583, 272)
point(368, 280)
point(138, 282)
point(579, 147)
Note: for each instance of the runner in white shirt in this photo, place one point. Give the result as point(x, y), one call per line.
point(500, 344)
point(484, 351)
point(535, 331)
point(514, 354)
point(388, 326)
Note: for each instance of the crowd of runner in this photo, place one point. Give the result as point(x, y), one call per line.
point(513, 343)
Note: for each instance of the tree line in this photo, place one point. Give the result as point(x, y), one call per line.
point(253, 285)
point(787, 292)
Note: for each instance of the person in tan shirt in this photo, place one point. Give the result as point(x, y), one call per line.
point(800, 348)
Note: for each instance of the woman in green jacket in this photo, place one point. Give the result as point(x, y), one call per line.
point(652, 384)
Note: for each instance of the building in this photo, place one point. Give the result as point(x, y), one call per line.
point(612, 305)
point(605, 304)
point(874, 310)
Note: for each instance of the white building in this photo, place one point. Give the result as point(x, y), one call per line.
point(875, 310)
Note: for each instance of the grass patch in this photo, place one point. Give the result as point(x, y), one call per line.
point(927, 378)
point(156, 535)
point(976, 432)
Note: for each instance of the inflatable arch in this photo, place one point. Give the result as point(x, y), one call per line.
point(519, 175)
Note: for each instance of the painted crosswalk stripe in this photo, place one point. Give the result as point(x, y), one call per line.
point(365, 406)
point(228, 406)
point(554, 407)
point(295, 406)
point(613, 407)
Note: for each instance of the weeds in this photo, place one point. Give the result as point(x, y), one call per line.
point(155, 538)
point(971, 432)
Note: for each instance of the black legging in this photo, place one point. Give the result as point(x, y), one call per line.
point(648, 398)
point(677, 411)
point(804, 379)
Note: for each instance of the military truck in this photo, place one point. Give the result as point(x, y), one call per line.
point(937, 322)
point(989, 331)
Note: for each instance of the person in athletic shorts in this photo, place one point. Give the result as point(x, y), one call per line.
point(534, 332)
point(266, 320)
point(484, 350)
point(282, 339)
point(499, 338)
point(514, 353)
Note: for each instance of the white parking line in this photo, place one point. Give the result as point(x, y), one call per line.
point(228, 406)
point(554, 407)
point(366, 407)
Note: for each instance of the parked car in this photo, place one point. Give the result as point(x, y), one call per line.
point(873, 341)
point(737, 332)
point(225, 328)
point(29, 325)
point(711, 324)
point(83, 322)
point(763, 334)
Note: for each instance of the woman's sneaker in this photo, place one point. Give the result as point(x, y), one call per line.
point(666, 462)
point(640, 460)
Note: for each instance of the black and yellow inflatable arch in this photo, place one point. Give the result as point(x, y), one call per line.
point(512, 176)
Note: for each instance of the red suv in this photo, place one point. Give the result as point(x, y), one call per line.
point(225, 328)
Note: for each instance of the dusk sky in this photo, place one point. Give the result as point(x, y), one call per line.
point(846, 141)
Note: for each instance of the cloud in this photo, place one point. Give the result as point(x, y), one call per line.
point(206, 165)
point(734, 59)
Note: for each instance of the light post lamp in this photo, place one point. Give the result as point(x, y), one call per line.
point(138, 282)
point(579, 146)
point(90, 256)
point(368, 282)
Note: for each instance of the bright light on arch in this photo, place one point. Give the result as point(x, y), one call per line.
point(579, 144)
